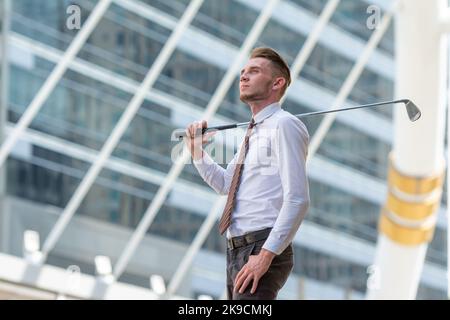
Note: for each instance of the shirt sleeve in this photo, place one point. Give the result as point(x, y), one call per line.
point(214, 175)
point(291, 149)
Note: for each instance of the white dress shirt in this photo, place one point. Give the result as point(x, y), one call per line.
point(273, 191)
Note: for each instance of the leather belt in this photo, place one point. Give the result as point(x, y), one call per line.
point(246, 239)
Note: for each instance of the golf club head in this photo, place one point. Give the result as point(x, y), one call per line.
point(413, 112)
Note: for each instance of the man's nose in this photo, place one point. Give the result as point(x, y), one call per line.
point(244, 77)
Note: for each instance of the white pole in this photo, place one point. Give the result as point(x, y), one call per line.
point(121, 126)
point(417, 165)
point(176, 169)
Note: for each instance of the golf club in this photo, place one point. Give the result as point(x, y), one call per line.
point(413, 114)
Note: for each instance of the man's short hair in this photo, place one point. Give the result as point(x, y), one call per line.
point(277, 61)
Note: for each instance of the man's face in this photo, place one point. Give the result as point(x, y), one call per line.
point(256, 80)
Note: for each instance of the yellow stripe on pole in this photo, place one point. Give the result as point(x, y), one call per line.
point(407, 217)
point(414, 185)
point(404, 235)
point(409, 210)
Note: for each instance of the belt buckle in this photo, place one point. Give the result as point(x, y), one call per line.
point(231, 243)
point(234, 243)
point(249, 238)
point(240, 242)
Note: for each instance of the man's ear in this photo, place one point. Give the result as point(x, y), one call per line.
point(279, 83)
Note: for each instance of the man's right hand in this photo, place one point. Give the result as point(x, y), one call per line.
point(195, 140)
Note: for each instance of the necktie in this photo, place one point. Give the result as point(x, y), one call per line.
point(225, 221)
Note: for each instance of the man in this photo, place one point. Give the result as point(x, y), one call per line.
point(266, 182)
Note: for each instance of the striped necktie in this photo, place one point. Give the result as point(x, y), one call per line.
point(225, 221)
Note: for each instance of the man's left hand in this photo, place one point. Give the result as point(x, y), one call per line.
point(254, 269)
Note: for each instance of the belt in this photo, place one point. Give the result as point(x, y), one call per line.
point(246, 239)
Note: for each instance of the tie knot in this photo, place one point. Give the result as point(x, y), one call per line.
point(252, 123)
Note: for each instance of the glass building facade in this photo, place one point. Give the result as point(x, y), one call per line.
point(347, 175)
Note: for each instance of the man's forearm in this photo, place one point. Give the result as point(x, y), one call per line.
point(211, 173)
point(197, 154)
point(286, 226)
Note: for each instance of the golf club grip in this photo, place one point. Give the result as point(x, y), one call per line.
point(180, 134)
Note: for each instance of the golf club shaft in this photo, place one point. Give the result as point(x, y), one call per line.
point(181, 133)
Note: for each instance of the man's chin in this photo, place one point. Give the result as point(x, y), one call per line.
point(246, 98)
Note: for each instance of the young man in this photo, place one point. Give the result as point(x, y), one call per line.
point(266, 182)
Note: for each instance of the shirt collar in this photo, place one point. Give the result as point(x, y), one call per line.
point(266, 112)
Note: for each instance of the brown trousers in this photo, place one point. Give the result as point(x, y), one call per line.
point(270, 283)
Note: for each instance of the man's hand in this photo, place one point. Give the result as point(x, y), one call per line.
point(195, 140)
point(254, 269)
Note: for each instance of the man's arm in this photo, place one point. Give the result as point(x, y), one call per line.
point(214, 175)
